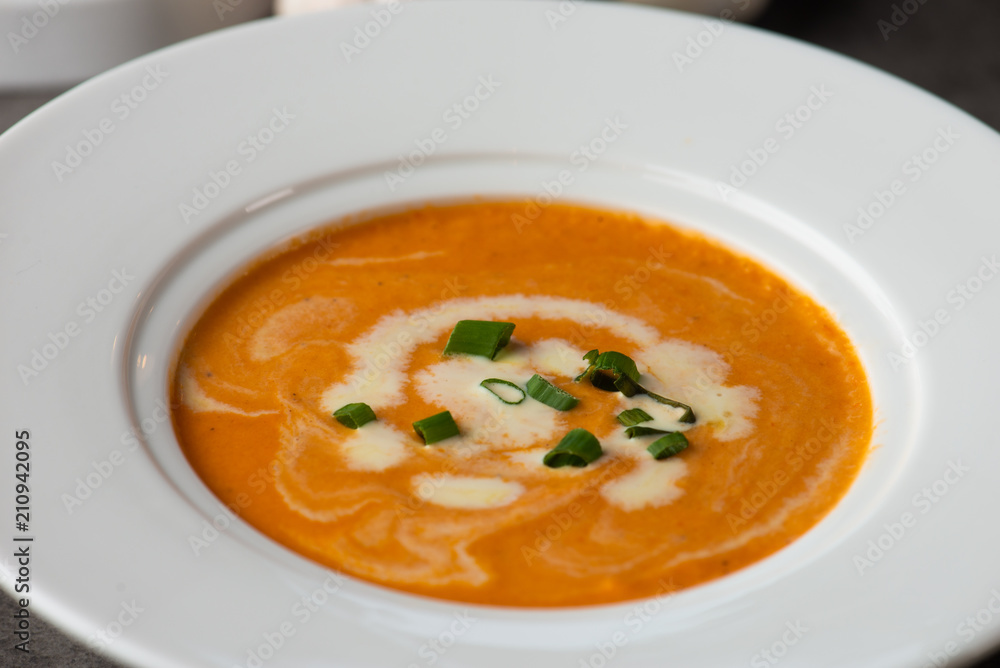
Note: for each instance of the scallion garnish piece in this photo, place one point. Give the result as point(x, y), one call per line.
point(616, 364)
point(613, 371)
point(489, 382)
point(542, 390)
point(632, 432)
point(590, 356)
point(602, 381)
point(668, 446)
point(627, 386)
point(688, 416)
point(436, 427)
point(478, 337)
point(577, 448)
point(634, 416)
point(353, 416)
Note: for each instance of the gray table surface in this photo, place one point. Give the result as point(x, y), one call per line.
point(949, 47)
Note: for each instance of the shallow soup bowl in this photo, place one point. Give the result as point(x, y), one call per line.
point(261, 134)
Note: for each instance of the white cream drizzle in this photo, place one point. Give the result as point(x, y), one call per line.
point(375, 447)
point(194, 397)
point(382, 356)
point(361, 261)
point(466, 492)
point(298, 322)
point(454, 383)
point(507, 472)
point(653, 484)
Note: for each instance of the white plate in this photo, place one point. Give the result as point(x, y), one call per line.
point(111, 231)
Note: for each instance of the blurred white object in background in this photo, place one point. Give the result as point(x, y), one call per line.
point(57, 43)
point(51, 44)
point(738, 10)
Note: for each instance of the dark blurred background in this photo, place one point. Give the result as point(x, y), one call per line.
point(948, 47)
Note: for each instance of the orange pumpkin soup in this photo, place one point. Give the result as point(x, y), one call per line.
point(362, 313)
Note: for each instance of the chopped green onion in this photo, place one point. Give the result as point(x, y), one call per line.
point(607, 369)
point(688, 416)
point(634, 416)
point(616, 364)
point(577, 448)
point(632, 432)
point(590, 356)
point(353, 416)
point(436, 427)
point(500, 381)
point(630, 388)
point(542, 390)
point(612, 371)
point(668, 446)
point(627, 386)
point(478, 337)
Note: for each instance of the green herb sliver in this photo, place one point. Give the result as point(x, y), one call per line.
point(478, 337)
point(542, 390)
point(668, 446)
point(632, 432)
point(614, 364)
point(634, 416)
point(590, 356)
point(688, 416)
point(606, 370)
point(613, 371)
point(353, 416)
point(436, 427)
point(577, 448)
point(506, 383)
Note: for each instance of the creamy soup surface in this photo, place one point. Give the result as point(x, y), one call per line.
point(361, 312)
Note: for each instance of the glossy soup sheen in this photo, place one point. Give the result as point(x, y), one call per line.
point(362, 312)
